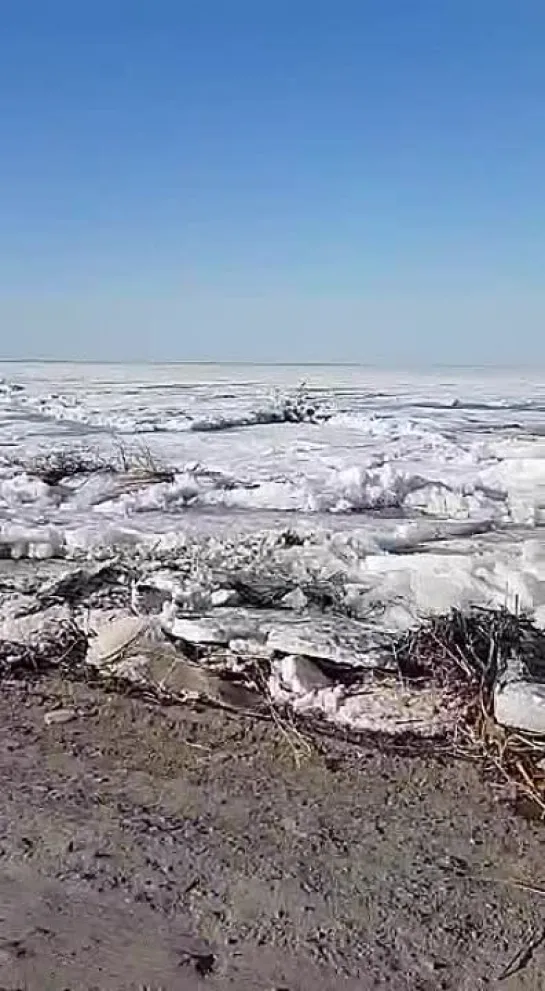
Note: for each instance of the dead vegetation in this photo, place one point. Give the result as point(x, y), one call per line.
point(64, 648)
point(58, 466)
point(140, 460)
point(470, 648)
point(136, 461)
point(465, 654)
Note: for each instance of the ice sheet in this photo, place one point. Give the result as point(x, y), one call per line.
point(416, 490)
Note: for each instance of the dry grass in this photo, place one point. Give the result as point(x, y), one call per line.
point(139, 460)
point(64, 647)
point(135, 461)
point(464, 654)
point(58, 466)
point(298, 743)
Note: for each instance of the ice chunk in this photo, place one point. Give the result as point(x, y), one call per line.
point(197, 631)
point(118, 638)
point(339, 641)
point(519, 700)
point(299, 675)
point(385, 709)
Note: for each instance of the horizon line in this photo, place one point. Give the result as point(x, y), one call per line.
point(273, 364)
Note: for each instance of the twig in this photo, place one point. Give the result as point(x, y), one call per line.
point(531, 789)
point(523, 956)
point(297, 743)
point(514, 883)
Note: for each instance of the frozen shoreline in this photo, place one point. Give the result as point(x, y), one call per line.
point(273, 628)
point(378, 499)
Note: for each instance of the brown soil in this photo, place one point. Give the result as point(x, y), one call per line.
point(169, 848)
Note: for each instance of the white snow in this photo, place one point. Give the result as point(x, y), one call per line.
point(414, 492)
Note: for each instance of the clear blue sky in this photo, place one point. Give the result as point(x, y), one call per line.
point(270, 180)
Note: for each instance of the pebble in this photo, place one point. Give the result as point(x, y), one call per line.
point(59, 716)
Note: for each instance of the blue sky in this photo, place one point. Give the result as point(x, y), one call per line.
point(361, 180)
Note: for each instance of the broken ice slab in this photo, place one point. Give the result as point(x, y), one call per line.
point(133, 649)
point(223, 597)
point(205, 631)
point(333, 640)
point(336, 640)
point(248, 647)
point(118, 637)
point(218, 628)
point(295, 600)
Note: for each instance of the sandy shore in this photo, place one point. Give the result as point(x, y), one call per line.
point(144, 847)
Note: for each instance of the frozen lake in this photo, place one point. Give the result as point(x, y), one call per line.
point(426, 489)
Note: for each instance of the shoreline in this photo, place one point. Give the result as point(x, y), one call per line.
point(142, 846)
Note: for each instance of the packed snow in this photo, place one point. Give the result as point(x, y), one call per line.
point(411, 492)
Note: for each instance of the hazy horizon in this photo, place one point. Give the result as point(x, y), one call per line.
point(226, 363)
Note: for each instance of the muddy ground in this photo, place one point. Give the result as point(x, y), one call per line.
point(171, 848)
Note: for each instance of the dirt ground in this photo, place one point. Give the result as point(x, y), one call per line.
point(169, 848)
